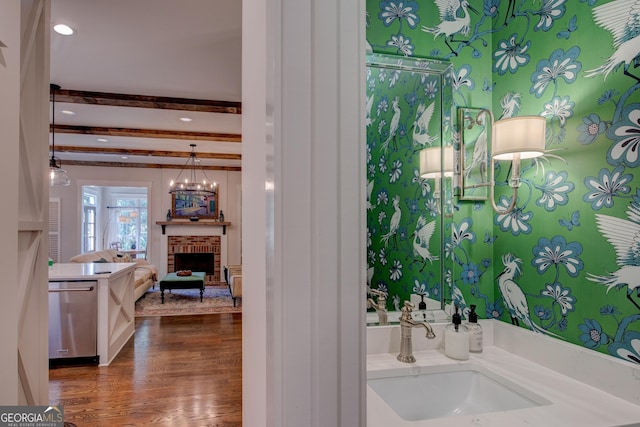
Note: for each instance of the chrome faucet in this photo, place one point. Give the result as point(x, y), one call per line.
point(380, 306)
point(406, 324)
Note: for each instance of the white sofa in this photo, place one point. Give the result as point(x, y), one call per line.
point(146, 274)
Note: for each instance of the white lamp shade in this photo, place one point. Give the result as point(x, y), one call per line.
point(432, 163)
point(524, 135)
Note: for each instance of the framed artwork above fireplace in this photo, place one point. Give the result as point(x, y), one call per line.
point(188, 205)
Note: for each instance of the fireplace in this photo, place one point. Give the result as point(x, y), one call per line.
point(195, 262)
point(201, 250)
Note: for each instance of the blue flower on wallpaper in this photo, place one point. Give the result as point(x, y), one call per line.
point(589, 2)
point(559, 108)
point(626, 134)
point(470, 273)
point(431, 89)
point(491, 8)
point(412, 205)
point(396, 171)
point(463, 232)
point(629, 348)
point(383, 257)
point(609, 310)
point(411, 98)
point(557, 252)
point(383, 105)
point(371, 256)
point(542, 312)
point(554, 190)
point(607, 186)
point(431, 206)
point(592, 334)
point(560, 295)
point(494, 310)
point(402, 45)
point(461, 78)
point(395, 272)
point(516, 221)
point(383, 198)
point(590, 129)
point(608, 96)
point(382, 164)
point(510, 55)
point(381, 217)
point(551, 10)
point(392, 10)
point(560, 64)
point(419, 288)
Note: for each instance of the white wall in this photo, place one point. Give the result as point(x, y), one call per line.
point(304, 203)
point(229, 185)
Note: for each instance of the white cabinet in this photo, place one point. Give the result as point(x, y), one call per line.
point(116, 303)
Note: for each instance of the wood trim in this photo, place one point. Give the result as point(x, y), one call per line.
point(144, 165)
point(147, 133)
point(146, 101)
point(148, 153)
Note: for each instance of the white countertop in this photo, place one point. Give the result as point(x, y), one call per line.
point(87, 271)
point(573, 402)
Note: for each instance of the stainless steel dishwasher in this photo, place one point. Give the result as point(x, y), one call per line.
point(73, 321)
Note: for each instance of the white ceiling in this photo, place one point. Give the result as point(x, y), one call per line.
point(184, 49)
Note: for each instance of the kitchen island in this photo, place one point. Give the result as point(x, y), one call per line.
point(115, 301)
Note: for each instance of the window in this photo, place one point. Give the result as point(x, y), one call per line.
point(120, 215)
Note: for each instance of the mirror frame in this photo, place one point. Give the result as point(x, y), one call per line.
point(443, 70)
point(475, 125)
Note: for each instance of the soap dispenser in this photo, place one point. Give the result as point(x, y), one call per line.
point(456, 338)
point(475, 331)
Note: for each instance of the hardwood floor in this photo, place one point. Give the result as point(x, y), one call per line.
point(175, 371)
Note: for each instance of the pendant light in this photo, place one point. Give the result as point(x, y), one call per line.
point(190, 183)
point(57, 175)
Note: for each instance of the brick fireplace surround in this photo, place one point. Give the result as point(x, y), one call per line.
point(195, 244)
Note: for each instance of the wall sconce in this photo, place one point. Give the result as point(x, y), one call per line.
point(434, 162)
point(515, 139)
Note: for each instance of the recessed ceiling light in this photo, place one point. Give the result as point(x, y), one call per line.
point(63, 29)
point(185, 119)
point(103, 140)
point(124, 157)
point(68, 112)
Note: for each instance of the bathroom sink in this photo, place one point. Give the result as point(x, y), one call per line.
point(420, 393)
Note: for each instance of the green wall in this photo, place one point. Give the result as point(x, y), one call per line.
point(570, 251)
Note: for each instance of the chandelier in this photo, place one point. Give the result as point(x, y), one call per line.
point(189, 183)
point(57, 175)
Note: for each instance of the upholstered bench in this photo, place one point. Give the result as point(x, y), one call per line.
point(233, 277)
point(173, 281)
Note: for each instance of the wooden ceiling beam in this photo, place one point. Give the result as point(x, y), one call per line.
point(147, 133)
point(144, 165)
point(146, 153)
point(146, 101)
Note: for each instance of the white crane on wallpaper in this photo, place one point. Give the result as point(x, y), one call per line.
point(624, 236)
point(369, 105)
point(450, 20)
point(421, 135)
point(421, 239)
point(393, 126)
point(512, 294)
point(622, 19)
point(480, 158)
point(394, 223)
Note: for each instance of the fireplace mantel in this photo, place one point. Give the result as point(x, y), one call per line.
point(202, 222)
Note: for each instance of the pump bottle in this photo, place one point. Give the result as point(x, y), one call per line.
point(456, 338)
point(475, 331)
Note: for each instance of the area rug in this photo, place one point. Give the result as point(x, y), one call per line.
point(216, 299)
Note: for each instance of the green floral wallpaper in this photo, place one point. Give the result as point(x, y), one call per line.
point(566, 261)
